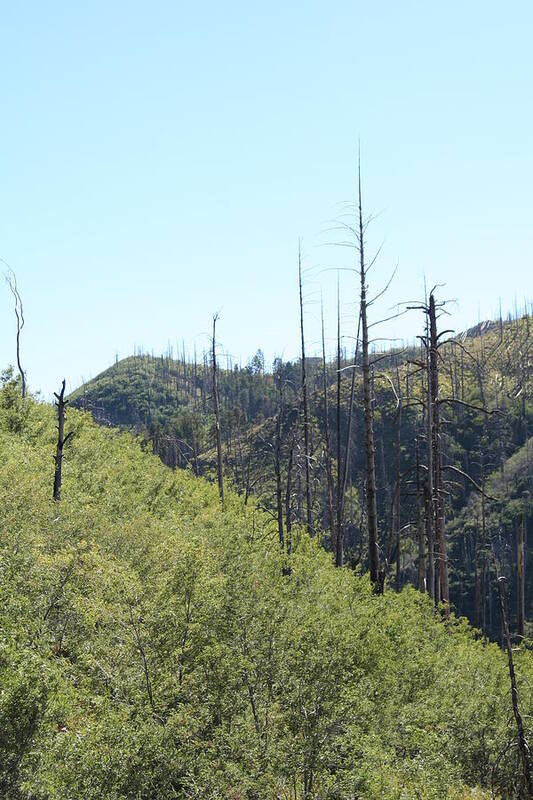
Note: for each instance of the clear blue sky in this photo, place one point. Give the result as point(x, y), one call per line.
point(159, 161)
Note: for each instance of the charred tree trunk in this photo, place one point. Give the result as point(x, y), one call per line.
point(309, 509)
point(523, 745)
point(220, 473)
point(397, 516)
point(288, 498)
point(370, 453)
point(277, 464)
point(436, 443)
point(61, 405)
point(420, 514)
point(329, 475)
point(19, 314)
point(520, 577)
point(483, 589)
point(339, 551)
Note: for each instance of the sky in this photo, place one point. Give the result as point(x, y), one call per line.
point(160, 161)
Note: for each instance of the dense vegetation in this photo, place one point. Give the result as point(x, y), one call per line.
point(487, 411)
point(153, 646)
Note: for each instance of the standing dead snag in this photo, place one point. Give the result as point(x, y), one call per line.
point(307, 455)
point(277, 455)
point(220, 473)
point(11, 279)
point(420, 526)
point(327, 453)
point(371, 492)
point(339, 549)
point(434, 486)
point(520, 576)
point(397, 486)
point(523, 745)
point(61, 439)
point(436, 443)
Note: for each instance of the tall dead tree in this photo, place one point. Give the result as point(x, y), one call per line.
point(339, 551)
point(483, 590)
point(420, 526)
point(327, 454)
point(434, 486)
point(277, 456)
point(430, 494)
point(370, 453)
point(61, 405)
point(288, 497)
point(523, 746)
point(11, 280)
point(397, 485)
point(436, 446)
point(520, 576)
point(307, 456)
point(220, 473)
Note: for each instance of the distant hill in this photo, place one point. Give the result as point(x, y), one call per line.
point(488, 367)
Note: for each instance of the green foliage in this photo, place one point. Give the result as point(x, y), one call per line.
point(152, 646)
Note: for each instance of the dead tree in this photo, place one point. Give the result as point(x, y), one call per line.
point(61, 405)
point(11, 279)
point(436, 445)
point(430, 494)
point(277, 458)
point(370, 453)
point(307, 456)
point(483, 590)
point(329, 475)
point(288, 498)
point(523, 745)
point(434, 486)
point(520, 576)
point(339, 538)
point(397, 487)
point(220, 473)
point(420, 520)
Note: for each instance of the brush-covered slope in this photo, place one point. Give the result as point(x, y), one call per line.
point(153, 646)
point(486, 368)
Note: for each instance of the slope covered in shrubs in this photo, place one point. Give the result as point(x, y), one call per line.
point(152, 646)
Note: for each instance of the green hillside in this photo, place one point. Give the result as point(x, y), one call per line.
point(155, 647)
point(487, 412)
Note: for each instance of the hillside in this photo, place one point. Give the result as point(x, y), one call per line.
point(155, 647)
point(487, 412)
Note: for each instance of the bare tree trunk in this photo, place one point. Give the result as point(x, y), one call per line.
point(428, 486)
point(220, 473)
point(420, 512)
point(520, 576)
point(397, 489)
point(11, 279)
point(436, 441)
point(309, 508)
point(483, 589)
point(61, 440)
point(371, 494)
point(277, 463)
point(523, 745)
point(288, 496)
point(339, 551)
point(329, 475)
